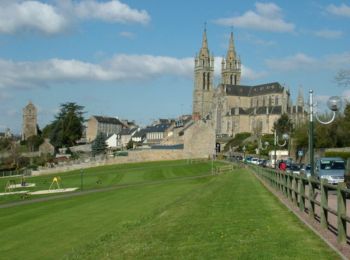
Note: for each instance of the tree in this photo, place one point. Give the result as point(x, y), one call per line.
point(33, 142)
point(99, 145)
point(67, 127)
point(283, 125)
point(343, 78)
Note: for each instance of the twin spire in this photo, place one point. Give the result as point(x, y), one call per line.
point(204, 51)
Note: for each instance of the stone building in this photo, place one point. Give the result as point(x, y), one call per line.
point(234, 107)
point(102, 124)
point(29, 124)
point(46, 147)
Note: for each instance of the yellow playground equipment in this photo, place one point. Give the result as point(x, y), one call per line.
point(56, 183)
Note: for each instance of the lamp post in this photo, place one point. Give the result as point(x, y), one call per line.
point(81, 179)
point(244, 149)
point(334, 104)
point(285, 138)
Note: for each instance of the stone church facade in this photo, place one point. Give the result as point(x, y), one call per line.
point(237, 108)
point(29, 125)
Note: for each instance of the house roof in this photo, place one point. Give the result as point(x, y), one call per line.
point(128, 131)
point(157, 128)
point(250, 91)
point(108, 120)
point(140, 133)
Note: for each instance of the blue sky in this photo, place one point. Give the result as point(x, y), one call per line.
point(134, 59)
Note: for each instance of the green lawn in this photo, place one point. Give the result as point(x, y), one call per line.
point(106, 176)
point(231, 216)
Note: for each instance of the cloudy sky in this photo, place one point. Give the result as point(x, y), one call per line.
point(134, 59)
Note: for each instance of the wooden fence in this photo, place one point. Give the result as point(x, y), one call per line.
point(299, 189)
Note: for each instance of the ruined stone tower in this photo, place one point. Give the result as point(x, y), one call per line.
point(29, 127)
point(203, 81)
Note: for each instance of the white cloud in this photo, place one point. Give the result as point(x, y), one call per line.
point(112, 11)
point(266, 17)
point(298, 61)
point(19, 15)
point(250, 74)
point(247, 73)
point(35, 15)
point(346, 94)
point(342, 10)
point(301, 61)
point(328, 34)
point(29, 74)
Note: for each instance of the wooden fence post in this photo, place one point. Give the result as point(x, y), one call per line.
point(287, 185)
point(290, 188)
point(302, 195)
point(324, 204)
point(341, 212)
point(295, 190)
point(311, 198)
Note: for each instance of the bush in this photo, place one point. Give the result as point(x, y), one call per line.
point(344, 155)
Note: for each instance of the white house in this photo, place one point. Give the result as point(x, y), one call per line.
point(113, 141)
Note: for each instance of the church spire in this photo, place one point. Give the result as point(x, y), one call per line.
point(204, 52)
point(300, 101)
point(231, 52)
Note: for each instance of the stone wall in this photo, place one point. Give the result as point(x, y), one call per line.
point(199, 139)
point(133, 157)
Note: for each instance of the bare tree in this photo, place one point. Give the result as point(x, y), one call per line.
point(343, 78)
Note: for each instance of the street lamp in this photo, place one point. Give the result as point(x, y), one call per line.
point(266, 144)
point(334, 104)
point(244, 149)
point(285, 138)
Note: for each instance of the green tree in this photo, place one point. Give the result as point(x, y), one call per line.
point(99, 145)
point(33, 142)
point(283, 125)
point(67, 127)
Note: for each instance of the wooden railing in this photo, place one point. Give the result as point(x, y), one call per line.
point(299, 189)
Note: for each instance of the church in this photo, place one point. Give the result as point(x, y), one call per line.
point(237, 108)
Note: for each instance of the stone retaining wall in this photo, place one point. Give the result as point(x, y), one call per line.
point(133, 157)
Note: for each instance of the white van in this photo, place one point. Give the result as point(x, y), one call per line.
point(331, 169)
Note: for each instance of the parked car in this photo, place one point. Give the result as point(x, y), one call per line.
point(254, 161)
point(293, 168)
point(306, 170)
point(331, 169)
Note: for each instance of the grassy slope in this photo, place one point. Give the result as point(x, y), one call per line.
point(105, 176)
point(206, 218)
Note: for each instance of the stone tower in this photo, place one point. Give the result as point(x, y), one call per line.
point(203, 81)
point(231, 66)
point(29, 127)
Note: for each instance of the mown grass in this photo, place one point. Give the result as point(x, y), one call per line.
point(230, 216)
point(111, 175)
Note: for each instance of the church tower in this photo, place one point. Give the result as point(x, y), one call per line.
point(231, 66)
point(203, 81)
point(29, 127)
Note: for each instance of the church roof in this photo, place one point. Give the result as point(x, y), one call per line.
point(250, 91)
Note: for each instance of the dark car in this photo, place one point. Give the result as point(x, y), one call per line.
point(293, 168)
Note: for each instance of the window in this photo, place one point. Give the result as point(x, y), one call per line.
point(208, 80)
point(276, 101)
point(203, 81)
